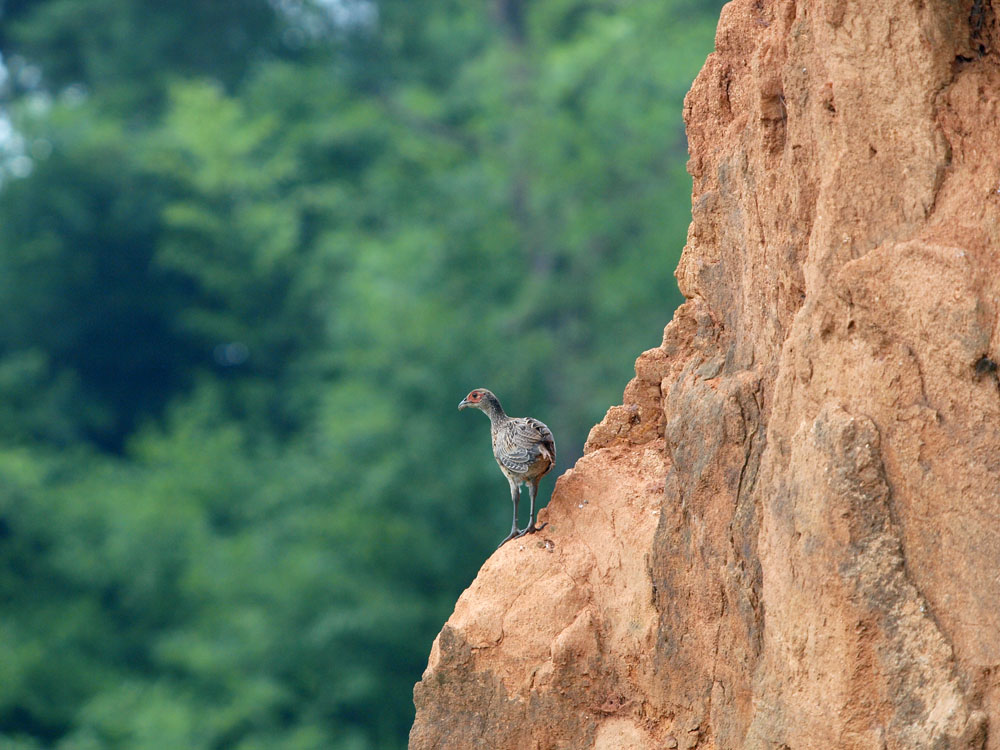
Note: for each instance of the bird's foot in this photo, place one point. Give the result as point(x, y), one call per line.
point(531, 529)
point(514, 533)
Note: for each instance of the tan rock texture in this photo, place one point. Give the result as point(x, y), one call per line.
point(789, 535)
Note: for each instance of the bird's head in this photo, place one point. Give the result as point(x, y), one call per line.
point(476, 399)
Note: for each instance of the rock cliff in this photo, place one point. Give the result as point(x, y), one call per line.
point(789, 534)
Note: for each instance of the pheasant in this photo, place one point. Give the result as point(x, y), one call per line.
point(524, 449)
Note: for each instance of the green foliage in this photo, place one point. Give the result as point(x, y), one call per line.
point(261, 253)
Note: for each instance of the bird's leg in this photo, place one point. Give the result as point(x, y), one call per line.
point(531, 528)
point(515, 496)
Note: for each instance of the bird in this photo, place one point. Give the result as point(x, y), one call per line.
point(523, 447)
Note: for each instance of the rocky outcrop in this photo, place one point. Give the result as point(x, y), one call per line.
point(789, 534)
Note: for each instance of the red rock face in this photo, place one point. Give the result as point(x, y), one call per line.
point(789, 535)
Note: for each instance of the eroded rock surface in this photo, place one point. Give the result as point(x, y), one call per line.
point(789, 534)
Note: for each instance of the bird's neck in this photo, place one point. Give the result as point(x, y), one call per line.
point(493, 410)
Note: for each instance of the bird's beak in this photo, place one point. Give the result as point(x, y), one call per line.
point(462, 404)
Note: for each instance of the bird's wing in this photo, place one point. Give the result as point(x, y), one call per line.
point(521, 442)
point(546, 443)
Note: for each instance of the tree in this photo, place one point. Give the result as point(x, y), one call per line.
point(245, 285)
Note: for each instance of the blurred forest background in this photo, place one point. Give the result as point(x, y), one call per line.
point(252, 254)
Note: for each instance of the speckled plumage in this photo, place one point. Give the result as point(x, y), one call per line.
point(523, 447)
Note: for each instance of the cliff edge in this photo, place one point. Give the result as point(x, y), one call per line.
point(789, 534)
